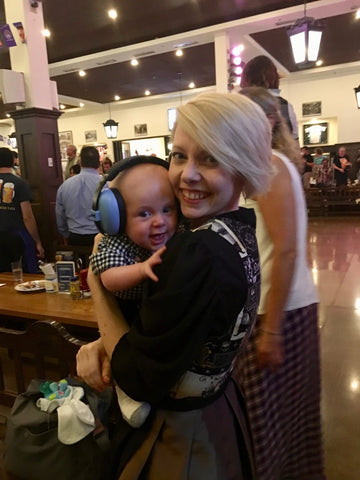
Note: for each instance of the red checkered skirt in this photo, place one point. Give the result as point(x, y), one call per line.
point(284, 407)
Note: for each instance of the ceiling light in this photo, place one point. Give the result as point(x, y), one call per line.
point(46, 32)
point(147, 92)
point(305, 37)
point(357, 14)
point(82, 104)
point(62, 107)
point(179, 52)
point(8, 115)
point(191, 85)
point(82, 73)
point(134, 62)
point(236, 66)
point(111, 127)
point(357, 95)
point(117, 97)
point(319, 63)
point(112, 13)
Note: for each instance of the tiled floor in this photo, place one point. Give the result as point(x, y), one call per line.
point(335, 258)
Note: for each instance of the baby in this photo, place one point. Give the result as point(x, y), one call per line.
point(124, 261)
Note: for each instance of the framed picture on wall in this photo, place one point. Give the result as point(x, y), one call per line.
point(90, 136)
point(311, 109)
point(140, 129)
point(315, 133)
point(65, 139)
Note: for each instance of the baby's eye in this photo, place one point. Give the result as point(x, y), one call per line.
point(167, 209)
point(144, 214)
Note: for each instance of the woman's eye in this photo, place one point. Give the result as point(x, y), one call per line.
point(177, 156)
point(209, 160)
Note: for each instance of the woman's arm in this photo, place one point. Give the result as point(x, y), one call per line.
point(278, 210)
point(128, 276)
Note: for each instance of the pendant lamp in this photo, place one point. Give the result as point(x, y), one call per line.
point(111, 127)
point(305, 38)
point(357, 95)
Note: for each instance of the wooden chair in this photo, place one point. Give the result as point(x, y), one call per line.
point(46, 350)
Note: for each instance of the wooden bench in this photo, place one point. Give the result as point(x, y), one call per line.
point(46, 350)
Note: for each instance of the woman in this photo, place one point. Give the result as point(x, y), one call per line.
point(260, 71)
point(178, 354)
point(279, 371)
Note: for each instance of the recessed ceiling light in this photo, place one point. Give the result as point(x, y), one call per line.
point(82, 104)
point(134, 62)
point(179, 52)
point(319, 63)
point(357, 14)
point(8, 115)
point(62, 107)
point(191, 85)
point(117, 97)
point(46, 32)
point(112, 13)
point(147, 92)
point(82, 73)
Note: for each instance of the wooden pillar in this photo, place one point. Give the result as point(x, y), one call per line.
point(40, 162)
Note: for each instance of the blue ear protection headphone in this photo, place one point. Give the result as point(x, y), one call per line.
point(108, 207)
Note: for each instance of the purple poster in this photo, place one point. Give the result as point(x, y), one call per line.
point(7, 35)
point(20, 28)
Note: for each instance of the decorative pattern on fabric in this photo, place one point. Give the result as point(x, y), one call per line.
point(284, 407)
point(117, 251)
point(209, 373)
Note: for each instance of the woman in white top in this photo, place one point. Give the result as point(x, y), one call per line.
point(279, 371)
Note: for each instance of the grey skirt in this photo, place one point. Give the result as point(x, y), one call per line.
point(210, 443)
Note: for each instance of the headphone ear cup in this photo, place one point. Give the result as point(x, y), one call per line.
point(112, 212)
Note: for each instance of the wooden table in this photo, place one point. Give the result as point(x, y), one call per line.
point(43, 305)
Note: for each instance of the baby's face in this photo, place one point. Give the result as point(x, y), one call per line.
point(151, 213)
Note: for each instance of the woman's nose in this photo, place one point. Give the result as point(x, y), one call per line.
point(190, 171)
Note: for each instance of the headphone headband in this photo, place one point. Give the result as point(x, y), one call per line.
point(107, 220)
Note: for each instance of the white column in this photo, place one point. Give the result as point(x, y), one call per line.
point(221, 64)
point(30, 57)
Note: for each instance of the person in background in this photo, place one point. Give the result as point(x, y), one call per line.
point(325, 174)
point(308, 159)
point(70, 160)
point(260, 71)
point(106, 165)
point(125, 260)
point(178, 354)
point(16, 167)
point(279, 371)
point(19, 236)
point(75, 170)
point(74, 201)
point(319, 157)
point(341, 166)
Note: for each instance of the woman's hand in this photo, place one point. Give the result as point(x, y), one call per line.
point(270, 352)
point(93, 365)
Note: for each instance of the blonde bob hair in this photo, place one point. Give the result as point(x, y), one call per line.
point(235, 131)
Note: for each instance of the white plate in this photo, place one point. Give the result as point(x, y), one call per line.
point(31, 287)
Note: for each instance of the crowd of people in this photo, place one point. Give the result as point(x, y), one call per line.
point(206, 307)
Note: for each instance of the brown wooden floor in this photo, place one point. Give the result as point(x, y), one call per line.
point(335, 251)
point(335, 258)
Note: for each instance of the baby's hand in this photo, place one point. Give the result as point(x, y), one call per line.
point(150, 263)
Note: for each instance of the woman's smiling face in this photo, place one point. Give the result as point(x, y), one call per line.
point(202, 185)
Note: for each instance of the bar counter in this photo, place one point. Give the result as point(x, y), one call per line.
point(43, 305)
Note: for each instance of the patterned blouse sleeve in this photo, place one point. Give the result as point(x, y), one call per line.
point(202, 287)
